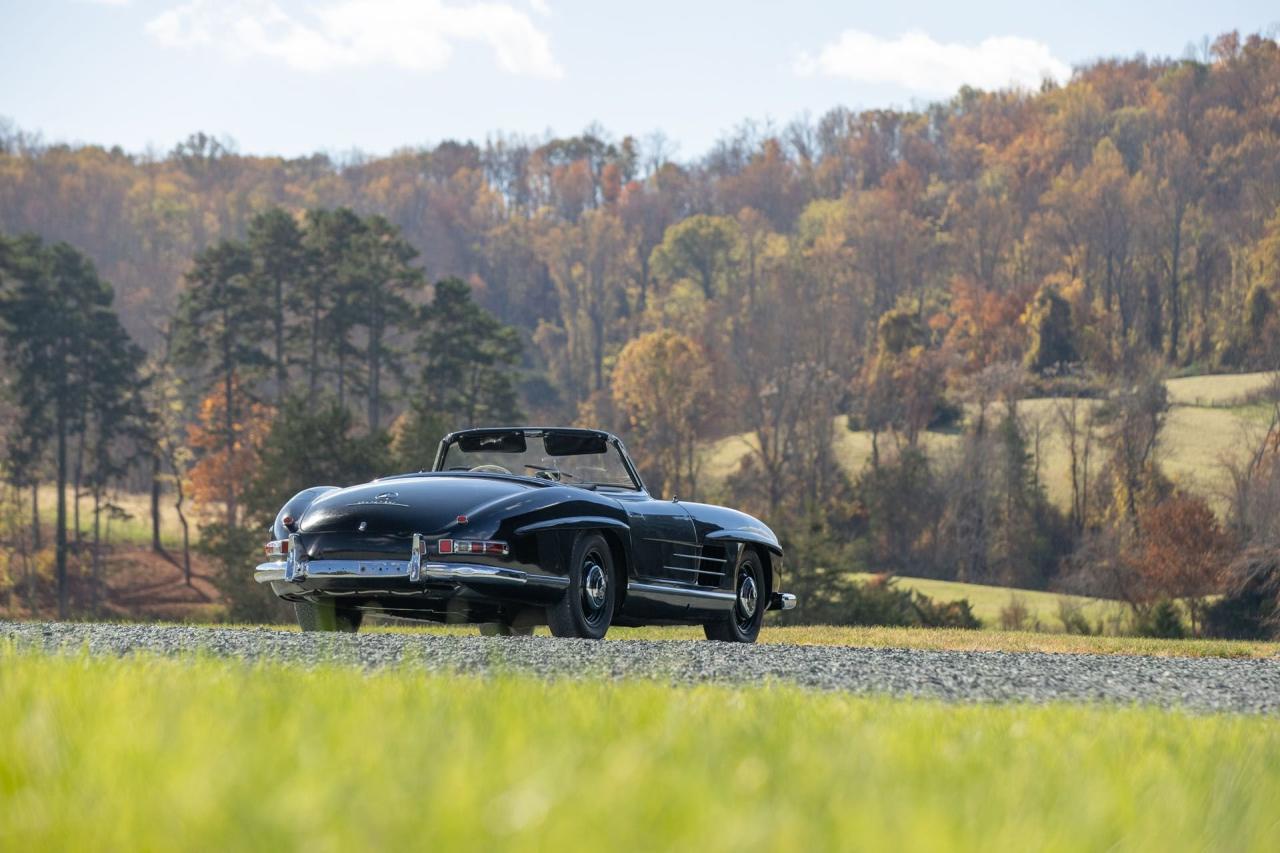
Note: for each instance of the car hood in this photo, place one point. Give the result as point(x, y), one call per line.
point(401, 506)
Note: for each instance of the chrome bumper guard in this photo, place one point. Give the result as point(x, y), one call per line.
point(296, 567)
point(782, 601)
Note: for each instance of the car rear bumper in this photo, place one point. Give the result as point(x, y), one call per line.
point(319, 574)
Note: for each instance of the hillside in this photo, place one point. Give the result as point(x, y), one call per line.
point(1211, 420)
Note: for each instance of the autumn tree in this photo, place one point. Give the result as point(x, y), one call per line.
point(221, 329)
point(1183, 553)
point(662, 386)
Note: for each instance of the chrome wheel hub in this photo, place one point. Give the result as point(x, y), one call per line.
point(748, 597)
point(595, 585)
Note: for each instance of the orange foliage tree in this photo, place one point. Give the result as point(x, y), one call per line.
point(662, 385)
point(225, 468)
point(1183, 553)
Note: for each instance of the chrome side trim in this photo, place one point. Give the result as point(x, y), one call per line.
point(695, 571)
point(704, 559)
point(702, 594)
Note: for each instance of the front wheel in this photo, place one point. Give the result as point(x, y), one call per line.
point(327, 616)
point(586, 609)
point(742, 623)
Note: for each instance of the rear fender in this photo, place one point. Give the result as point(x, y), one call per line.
point(295, 507)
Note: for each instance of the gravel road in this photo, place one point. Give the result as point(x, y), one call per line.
point(1199, 684)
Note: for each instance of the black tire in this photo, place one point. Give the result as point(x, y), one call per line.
point(327, 616)
point(742, 623)
point(586, 609)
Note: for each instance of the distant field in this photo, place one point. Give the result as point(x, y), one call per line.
point(988, 601)
point(1211, 421)
point(133, 530)
point(223, 755)
point(1224, 389)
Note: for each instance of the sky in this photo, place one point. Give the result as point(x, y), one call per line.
point(292, 77)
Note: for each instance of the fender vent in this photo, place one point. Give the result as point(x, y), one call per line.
point(715, 560)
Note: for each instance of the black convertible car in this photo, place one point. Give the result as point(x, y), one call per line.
point(518, 527)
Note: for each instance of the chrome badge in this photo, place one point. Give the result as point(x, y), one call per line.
point(381, 499)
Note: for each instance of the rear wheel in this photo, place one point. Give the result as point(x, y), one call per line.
point(327, 616)
point(587, 607)
point(742, 623)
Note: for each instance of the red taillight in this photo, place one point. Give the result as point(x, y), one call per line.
point(473, 546)
point(277, 548)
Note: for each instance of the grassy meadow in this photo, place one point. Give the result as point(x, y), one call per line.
point(1211, 419)
point(987, 601)
point(146, 754)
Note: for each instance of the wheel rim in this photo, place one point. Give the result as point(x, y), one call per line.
point(748, 603)
point(595, 588)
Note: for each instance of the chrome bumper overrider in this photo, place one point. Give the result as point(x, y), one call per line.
point(296, 568)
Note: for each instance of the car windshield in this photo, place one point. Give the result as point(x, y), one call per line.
point(572, 458)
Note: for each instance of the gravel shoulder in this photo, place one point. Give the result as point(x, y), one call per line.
point(1197, 684)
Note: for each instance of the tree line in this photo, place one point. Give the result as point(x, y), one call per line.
point(901, 272)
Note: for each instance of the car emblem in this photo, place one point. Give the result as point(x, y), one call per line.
point(381, 499)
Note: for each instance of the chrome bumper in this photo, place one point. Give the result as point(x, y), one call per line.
point(373, 570)
point(782, 601)
point(296, 568)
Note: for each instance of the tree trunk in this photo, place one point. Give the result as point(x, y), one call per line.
point(60, 523)
point(228, 389)
point(1175, 306)
point(282, 373)
point(313, 369)
point(35, 515)
point(96, 586)
point(77, 477)
point(155, 505)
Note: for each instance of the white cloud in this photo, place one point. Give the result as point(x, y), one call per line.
point(417, 35)
point(917, 62)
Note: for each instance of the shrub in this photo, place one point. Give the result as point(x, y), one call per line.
point(1073, 618)
point(880, 601)
point(945, 614)
point(1016, 616)
point(1161, 620)
point(1250, 609)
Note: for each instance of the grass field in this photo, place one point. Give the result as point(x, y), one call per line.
point(135, 529)
point(147, 754)
point(1211, 420)
point(988, 601)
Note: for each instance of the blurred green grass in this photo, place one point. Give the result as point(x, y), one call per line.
point(144, 754)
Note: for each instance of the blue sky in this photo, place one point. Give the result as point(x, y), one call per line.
point(296, 76)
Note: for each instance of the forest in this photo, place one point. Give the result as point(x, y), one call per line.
point(216, 330)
